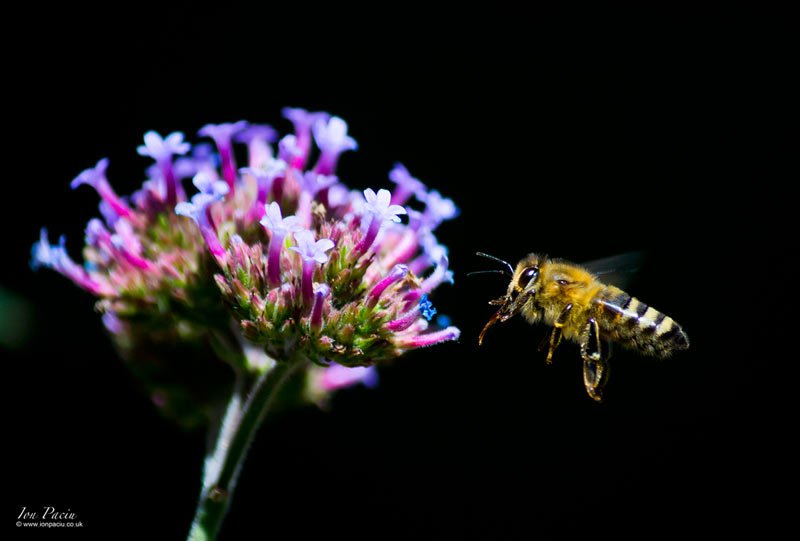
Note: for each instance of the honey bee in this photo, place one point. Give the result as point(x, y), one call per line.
point(579, 307)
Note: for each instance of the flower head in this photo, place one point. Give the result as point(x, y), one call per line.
point(278, 257)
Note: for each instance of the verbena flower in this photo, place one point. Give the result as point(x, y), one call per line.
point(270, 283)
point(258, 138)
point(407, 185)
point(280, 254)
point(162, 150)
point(312, 253)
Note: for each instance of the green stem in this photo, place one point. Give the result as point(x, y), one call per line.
point(236, 433)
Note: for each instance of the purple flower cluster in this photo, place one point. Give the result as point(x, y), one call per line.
point(308, 269)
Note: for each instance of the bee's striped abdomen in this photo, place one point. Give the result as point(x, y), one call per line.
point(633, 324)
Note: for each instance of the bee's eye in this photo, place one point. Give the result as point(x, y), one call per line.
point(528, 275)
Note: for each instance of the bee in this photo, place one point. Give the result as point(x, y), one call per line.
point(579, 307)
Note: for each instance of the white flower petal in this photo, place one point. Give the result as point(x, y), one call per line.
point(384, 197)
point(324, 245)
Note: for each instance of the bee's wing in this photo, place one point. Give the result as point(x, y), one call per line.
point(617, 270)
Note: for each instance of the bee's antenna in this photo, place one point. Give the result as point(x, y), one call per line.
point(506, 263)
point(496, 271)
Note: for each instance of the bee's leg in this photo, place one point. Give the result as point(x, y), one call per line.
point(595, 365)
point(555, 334)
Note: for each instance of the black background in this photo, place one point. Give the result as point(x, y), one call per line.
point(581, 135)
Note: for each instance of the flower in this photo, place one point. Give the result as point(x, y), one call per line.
point(337, 377)
point(274, 222)
point(311, 251)
point(440, 275)
point(321, 292)
point(268, 170)
point(277, 262)
point(162, 150)
point(314, 182)
point(397, 272)
point(198, 211)
point(378, 209)
point(44, 254)
point(202, 160)
point(332, 139)
point(426, 308)
point(258, 138)
point(299, 144)
point(314, 186)
point(217, 189)
point(429, 339)
point(96, 178)
point(437, 209)
point(302, 119)
point(406, 184)
point(222, 134)
point(257, 132)
point(265, 175)
point(290, 151)
point(379, 206)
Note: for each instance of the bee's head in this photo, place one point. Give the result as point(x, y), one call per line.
point(521, 288)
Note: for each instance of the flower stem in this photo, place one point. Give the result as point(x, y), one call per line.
point(236, 433)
